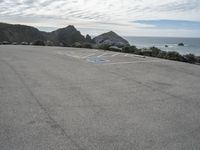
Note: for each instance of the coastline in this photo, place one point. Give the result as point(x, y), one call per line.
point(192, 45)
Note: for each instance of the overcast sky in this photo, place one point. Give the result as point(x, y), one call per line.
point(126, 17)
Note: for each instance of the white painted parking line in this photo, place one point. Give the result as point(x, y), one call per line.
point(70, 54)
point(102, 54)
point(133, 62)
point(75, 56)
point(115, 54)
point(126, 55)
point(89, 55)
point(134, 55)
point(139, 56)
point(109, 54)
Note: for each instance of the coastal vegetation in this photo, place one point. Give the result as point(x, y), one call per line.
point(39, 43)
point(156, 52)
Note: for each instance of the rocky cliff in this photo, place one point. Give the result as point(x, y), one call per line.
point(20, 33)
point(112, 39)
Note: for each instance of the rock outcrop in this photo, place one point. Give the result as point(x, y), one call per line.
point(67, 36)
point(88, 38)
point(111, 39)
point(180, 44)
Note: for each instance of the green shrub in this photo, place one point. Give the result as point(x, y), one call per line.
point(145, 53)
point(162, 54)
point(87, 45)
point(39, 43)
point(125, 49)
point(138, 52)
point(174, 56)
point(129, 49)
point(191, 58)
point(198, 59)
point(155, 51)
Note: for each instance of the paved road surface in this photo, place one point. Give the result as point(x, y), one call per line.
point(78, 99)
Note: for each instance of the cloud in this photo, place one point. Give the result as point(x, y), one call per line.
point(103, 14)
point(181, 6)
point(171, 24)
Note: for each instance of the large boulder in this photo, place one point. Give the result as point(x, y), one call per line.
point(180, 44)
point(111, 39)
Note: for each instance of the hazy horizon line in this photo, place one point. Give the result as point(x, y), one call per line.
point(42, 29)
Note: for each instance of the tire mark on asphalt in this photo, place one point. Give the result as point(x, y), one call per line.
point(53, 122)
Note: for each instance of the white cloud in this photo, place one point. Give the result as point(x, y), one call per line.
point(98, 14)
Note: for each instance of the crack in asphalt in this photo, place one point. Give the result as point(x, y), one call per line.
point(53, 122)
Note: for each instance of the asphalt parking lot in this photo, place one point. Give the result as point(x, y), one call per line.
point(54, 98)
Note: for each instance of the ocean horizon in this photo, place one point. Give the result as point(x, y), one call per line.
point(191, 45)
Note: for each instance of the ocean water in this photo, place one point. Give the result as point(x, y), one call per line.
point(192, 45)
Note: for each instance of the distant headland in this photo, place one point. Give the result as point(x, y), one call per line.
point(71, 37)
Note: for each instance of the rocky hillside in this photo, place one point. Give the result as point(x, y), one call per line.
point(112, 39)
point(20, 33)
point(67, 36)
